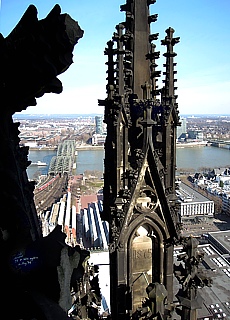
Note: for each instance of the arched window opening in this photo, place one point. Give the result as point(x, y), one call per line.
point(144, 262)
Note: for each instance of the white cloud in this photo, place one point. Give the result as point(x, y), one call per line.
point(73, 100)
point(207, 99)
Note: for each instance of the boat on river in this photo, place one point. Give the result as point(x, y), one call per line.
point(39, 164)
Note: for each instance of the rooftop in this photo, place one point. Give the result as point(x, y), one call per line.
point(187, 194)
point(223, 237)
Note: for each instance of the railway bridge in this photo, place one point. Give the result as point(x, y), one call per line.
point(65, 159)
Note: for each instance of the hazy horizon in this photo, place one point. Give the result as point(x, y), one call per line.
point(57, 115)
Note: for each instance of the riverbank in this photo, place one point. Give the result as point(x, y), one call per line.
point(178, 145)
point(92, 158)
point(191, 144)
point(89, 147)
point(101, 147)
point(215, 144)
point(43, 148)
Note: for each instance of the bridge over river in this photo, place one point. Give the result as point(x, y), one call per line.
point(65, 160)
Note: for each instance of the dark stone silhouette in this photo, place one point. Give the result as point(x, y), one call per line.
point(33, 55)
point(140, 202)
point(190, 278)
point(35, 282)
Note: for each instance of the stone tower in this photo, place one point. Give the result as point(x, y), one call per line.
point(140, 162)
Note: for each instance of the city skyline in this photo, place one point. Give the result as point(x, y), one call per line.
point(202, 61)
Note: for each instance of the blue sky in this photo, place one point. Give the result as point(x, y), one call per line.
point(203, 61)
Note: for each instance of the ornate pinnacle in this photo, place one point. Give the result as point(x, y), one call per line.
point(169, 42)
point(110, 52)
point(190, 277)
point(154, 74)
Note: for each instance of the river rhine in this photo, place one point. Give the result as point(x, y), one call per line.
point(188, 158)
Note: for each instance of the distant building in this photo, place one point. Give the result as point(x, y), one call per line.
point(226, 203)
point(195, 135)
point(31, 144)
point(95, 231)
point(182, 130)
point(192, 203)
point(99, 124)
point(98, 139)
point(221, 241)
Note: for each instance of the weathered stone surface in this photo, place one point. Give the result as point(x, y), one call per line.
point(139, 178)
point(31, 58)
point(33, 55)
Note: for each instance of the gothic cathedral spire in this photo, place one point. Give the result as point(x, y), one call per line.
point(140, 160)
